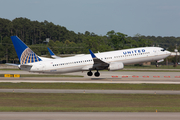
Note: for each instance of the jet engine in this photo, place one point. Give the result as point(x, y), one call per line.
point(115, 66)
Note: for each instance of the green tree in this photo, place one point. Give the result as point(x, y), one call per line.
point(118, 39)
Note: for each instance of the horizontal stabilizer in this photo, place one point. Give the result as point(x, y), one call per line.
point(12, 64)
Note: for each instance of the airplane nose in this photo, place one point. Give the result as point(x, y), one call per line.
point(168, 52)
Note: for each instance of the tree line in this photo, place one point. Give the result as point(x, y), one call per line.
point(63, 41)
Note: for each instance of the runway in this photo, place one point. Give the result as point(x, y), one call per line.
point(89, 116)
point(114, 74)
point(163, 92)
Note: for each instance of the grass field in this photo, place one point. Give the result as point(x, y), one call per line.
point(9, 69)
point(88, 102)
point(105, 86)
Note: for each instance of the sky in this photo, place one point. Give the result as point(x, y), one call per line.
point(131, 17)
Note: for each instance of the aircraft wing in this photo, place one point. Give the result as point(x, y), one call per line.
point(98, 64)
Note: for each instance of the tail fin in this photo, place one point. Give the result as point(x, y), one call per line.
point(25, 54)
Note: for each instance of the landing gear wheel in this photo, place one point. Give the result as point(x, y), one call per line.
point(97, 74)
point(89, 73)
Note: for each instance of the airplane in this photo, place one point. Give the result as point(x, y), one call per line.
point(112, 60)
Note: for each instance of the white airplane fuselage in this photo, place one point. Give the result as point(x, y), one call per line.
point(85, 62)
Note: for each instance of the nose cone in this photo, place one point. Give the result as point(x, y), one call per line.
point(168, 52)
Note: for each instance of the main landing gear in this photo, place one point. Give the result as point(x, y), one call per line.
point(89, 73)
point(97, 74)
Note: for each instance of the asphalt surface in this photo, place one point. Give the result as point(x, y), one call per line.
point(106, 77)
point(170, 92)
point(113, 74)
point(89, 116)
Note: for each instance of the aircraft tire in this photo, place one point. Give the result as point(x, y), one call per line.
point(89, 73)
point(97, 74)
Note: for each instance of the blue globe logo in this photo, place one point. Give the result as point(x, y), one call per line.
point(28, 56)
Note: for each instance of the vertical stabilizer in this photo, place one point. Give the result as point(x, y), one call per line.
point(25, 54)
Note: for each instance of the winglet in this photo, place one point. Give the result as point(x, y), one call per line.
point(92, 54)
point(51, 53)
point(98, 64)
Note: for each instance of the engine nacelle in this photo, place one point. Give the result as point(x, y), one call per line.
point(115, 66)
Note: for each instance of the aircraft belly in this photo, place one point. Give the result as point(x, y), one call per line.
point(155, 58)
point(70, 69)
point(65, 69)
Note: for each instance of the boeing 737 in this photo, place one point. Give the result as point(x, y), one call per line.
point(112, 60)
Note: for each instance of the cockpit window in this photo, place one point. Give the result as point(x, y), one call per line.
point(163, 49)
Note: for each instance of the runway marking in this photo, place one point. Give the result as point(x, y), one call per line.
point(135, 76)
point(145, 76)
point(124, 76)
point(156, 76)
point(114, 76)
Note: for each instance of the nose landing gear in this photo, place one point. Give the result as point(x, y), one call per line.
point(157, 64)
